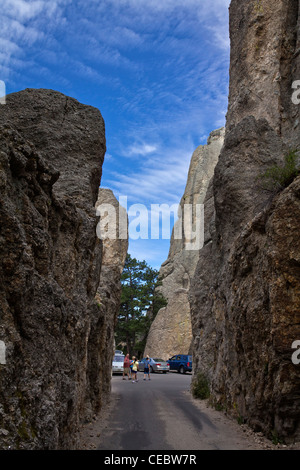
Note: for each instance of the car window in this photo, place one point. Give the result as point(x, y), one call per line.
point(172, 358)
point(178, 358)
point(158, 360)
point(119, 359)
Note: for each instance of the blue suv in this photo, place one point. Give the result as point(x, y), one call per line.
point(181, 362)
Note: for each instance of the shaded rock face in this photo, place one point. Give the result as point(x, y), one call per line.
point(244, 296)
point(51, 154)
point(171, 331)
point(108, 295)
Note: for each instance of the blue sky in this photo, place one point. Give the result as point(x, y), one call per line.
point(156, 69)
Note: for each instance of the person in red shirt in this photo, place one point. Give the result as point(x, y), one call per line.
point(126, 370)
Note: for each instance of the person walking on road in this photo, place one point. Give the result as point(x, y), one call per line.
point(147, 368)
point(126, 367)
point(135, 368)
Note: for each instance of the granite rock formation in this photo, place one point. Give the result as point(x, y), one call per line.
point(171, 331)
point(245, 298)
point(52, 149)
point(114, 236)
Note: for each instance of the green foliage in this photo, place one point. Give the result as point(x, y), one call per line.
point(200, 387)
point(140, 302)
point(22, 431)
point(258, 8)
point(279, 177)
point(275, 438)
point(240, 419)
point(219, 407)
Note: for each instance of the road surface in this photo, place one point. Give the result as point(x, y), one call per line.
point(161, 414)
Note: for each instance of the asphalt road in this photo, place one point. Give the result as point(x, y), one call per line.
point(160, 414)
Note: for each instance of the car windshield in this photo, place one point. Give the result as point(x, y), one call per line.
point(119, 359)
point(158, 360)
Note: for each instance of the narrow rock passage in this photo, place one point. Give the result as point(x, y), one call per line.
point(162, 415)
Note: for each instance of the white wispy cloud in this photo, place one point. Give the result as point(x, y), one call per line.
point(23, 24)
point(124, 24)
point(142, 149)
point(160, 179)
point(23, 10)
point(159, 68)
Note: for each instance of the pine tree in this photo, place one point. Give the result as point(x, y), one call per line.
point(140, 302)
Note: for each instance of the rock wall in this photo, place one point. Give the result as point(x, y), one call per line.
point(171, 331)
point(114, 236)
point(52, 150)
point(244, 296)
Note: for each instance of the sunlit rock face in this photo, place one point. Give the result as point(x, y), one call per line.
point(112, 229)
point(171, 331)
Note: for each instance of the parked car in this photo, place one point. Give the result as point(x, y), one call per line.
point(156, 365)
point(181, 362)
point(118, 363)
